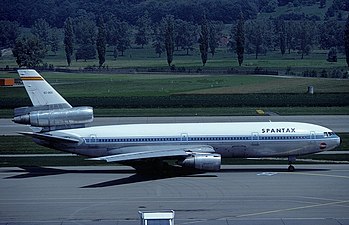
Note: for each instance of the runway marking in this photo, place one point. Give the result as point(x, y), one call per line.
point(290, 209)
point(316, 174)
point(266, 174)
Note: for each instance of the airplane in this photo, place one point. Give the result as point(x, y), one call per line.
point(198, 146)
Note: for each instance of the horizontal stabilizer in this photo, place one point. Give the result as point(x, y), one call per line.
point(47, 137)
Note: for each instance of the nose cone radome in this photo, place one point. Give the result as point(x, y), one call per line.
point(339, 141)
point(336, 142)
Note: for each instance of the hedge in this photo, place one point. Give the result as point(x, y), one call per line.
point(187, 101)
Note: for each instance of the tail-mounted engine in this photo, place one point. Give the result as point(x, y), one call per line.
point(202, 161)
point(54, 119)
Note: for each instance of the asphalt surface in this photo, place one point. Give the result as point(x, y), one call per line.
point(338, 123)
point(249, 194)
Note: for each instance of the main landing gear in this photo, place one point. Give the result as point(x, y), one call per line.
point(291, 160)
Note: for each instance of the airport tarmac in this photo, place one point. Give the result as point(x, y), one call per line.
point(238, 194)
point(337, 123)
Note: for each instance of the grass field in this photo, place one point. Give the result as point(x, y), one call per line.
point(110, 85)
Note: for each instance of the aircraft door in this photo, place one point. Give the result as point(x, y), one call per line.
point(184, 137)
point(93, 138)
point(255, 138)
point(312, 136)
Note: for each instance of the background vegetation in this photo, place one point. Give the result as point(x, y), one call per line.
point(132, 34)
point(174, 39)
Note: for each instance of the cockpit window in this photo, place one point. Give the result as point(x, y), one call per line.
point(329, 134)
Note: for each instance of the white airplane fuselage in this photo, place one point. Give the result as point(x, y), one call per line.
point(201, 146)
point(250, 139)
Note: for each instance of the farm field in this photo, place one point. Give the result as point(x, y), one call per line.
point(188, 94)
point(102, 85)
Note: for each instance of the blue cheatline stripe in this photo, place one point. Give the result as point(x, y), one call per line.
point(201, 139)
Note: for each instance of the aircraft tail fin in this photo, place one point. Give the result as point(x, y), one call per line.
point(40, 92)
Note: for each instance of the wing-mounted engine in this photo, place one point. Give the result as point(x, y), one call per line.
point(202, 161)
point(54, 117)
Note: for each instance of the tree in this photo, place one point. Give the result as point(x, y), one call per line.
point(268, 6)
point(141, 37)
point(240, 39)
point(332, 55)
point(118, 34)
point(54, 40)
point(305, 34)
point(68, 39)
point(203, 41)
point(185, 35)
point(282, 37)
point(346, 40)
point(29, 52)
point(101, 42)
point(214, 30)
point(85, 35)
point(9, 32)
point(42, 30)
point(85, 29)
point(115, 53)
point(158, 43)
point(85, 52)
point(124, 41)
point(260, 36)
point(290, 36)
point(142, 34)
point(168, 23)
point(331, 35)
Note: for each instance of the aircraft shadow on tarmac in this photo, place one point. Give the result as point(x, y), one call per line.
point(37, 171)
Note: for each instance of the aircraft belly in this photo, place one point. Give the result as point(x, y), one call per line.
point(291, 148)
point(264, 149)
point(231, 150)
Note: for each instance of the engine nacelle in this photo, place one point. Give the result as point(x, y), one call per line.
point(202, 161)
point(69, 117)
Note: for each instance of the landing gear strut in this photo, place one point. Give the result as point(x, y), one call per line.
point(291, 160)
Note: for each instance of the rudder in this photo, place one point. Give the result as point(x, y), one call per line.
point(39, 90)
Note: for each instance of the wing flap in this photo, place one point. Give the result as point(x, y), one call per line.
point(141, 155)
point(163, 153)
point(48, 137)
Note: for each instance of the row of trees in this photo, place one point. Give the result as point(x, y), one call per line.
point(226, 11)
point(56, 12)
point(254, 36)
point(84, 37)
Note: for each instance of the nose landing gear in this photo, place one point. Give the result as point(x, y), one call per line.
point(291, 160)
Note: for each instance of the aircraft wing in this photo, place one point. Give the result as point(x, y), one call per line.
point(48, 137)
point(163, 153)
